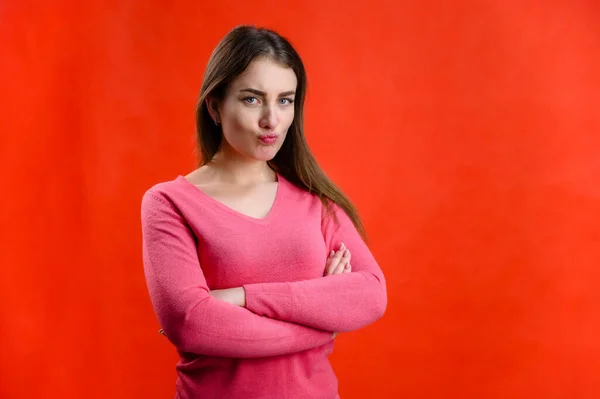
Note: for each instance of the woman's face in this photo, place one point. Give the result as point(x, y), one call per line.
point(257, 110)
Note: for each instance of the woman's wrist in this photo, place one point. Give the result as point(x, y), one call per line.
point(240, 296)
point(235, 296)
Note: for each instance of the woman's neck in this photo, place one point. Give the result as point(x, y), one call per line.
point(234, 170)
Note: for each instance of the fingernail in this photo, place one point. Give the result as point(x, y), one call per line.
point(346, 253)
point(347, 265)
point(342, 246)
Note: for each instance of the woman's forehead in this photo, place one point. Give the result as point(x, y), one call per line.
point(266, 75)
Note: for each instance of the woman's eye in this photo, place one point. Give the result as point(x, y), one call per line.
point(251, 100)
point(285, 101)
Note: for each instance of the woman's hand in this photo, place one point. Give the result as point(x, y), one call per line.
point(338, 262)
point(235, 296)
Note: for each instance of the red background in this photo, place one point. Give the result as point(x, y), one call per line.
point(466, 132)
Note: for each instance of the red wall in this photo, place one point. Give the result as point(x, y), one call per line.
point(467, 133)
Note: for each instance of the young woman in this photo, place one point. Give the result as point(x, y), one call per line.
point(255, 260)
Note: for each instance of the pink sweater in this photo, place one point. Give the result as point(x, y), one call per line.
point(276, 347)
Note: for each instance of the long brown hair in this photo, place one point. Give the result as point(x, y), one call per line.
point(294, 161)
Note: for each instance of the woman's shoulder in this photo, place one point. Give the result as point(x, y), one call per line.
point(166, 189)
point(300, 198)
point(295, 192)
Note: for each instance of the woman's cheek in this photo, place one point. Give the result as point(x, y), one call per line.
point(245, 120)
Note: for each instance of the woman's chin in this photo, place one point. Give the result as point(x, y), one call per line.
point(265, 154)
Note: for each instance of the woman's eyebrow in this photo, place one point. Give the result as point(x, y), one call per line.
point(262, 93)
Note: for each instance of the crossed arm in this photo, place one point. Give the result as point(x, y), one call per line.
point(337, 263)
point(338, 302)
point(299, 316)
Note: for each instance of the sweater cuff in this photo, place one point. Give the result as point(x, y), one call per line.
point(272, 300)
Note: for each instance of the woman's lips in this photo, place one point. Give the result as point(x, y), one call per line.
point(268, 138)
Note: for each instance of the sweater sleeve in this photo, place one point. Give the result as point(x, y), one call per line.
point(192, 320)
point(342, 302)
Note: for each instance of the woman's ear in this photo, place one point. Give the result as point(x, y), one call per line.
point(213, 109)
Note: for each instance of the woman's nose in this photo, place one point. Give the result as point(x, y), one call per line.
point(269, 119)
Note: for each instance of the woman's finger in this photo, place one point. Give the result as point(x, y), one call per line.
point(335, 261)
point(348, 268)
point(328, 262)
point(343, 262)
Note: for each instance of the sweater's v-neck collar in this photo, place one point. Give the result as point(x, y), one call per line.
point(216, 203)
